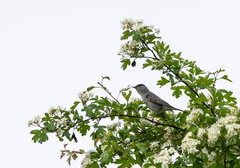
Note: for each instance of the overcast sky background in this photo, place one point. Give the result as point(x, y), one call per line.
point(51, 50)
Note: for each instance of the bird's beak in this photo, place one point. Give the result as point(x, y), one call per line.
point(134, 87)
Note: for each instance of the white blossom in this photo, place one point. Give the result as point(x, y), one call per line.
point(229, 122)
point(189, 144)
point(53, 111)
point(127, 24)
point(63, 121)
point(213, 134)
point(212, 156)
point(114, 125)
point(232, 129)
point(87, 159)
point(84, 96)
point(201, 132)
point(234, 111)
point(36, 120)
point(193, 116)
point(168, 132)
point(166, 144)
point(154, 145)
point(158, 64)
point(128, 48)
point(163, 157)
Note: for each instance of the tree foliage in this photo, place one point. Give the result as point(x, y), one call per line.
point(206, 134)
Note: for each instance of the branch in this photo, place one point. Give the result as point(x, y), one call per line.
point(150, 50)
point(130, 116)
point(177, 75)
point(104, 88)
point(195, 92)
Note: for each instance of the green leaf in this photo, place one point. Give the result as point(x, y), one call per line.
point(39, 136)
point(83, 129)
point(136, 35)
point(148, 63)
point(177, 91)
point(226, 78)
point(163, 81)
point(127, 96)
point(74, 105)
point(50, 126)
point(126, 34)
point(141, 146)
point(125, 63)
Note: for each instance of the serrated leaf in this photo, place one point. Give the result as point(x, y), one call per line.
point(226, 78)
point(125, 63)
point(177, 91)
point(163, 81)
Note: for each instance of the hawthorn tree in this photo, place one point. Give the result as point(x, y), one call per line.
point(206, 134)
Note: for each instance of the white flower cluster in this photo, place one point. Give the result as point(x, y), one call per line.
point(213, 134)
point(53, 111)
point(128, 48)
point(193, 116)
point(129, 24)
point(234, 111)
point(86, 162)
point(201, 132)
point(35, 121)
point(132, 47)
point(85, 96)
point(168, 132)
point(154, 145)
point(114, 126)
point(158, 64)
point(62, 122)
point(164, 157)
point(189, 144)
point(211, 156)
point(229, 122)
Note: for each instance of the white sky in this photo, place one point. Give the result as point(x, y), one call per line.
point(51, 50)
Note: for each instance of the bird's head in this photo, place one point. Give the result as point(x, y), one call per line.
point(141, 89)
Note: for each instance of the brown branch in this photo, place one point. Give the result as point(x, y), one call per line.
point(129, 116)
point(177, 75)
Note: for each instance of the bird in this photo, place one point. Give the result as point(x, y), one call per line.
point(154, 103)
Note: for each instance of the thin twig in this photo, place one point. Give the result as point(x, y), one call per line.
point(104, 88)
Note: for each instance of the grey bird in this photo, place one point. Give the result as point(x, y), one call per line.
point(154, 103)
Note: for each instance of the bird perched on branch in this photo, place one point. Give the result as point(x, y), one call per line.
point(155, 103)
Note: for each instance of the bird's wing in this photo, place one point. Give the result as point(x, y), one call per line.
point(151, 97)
